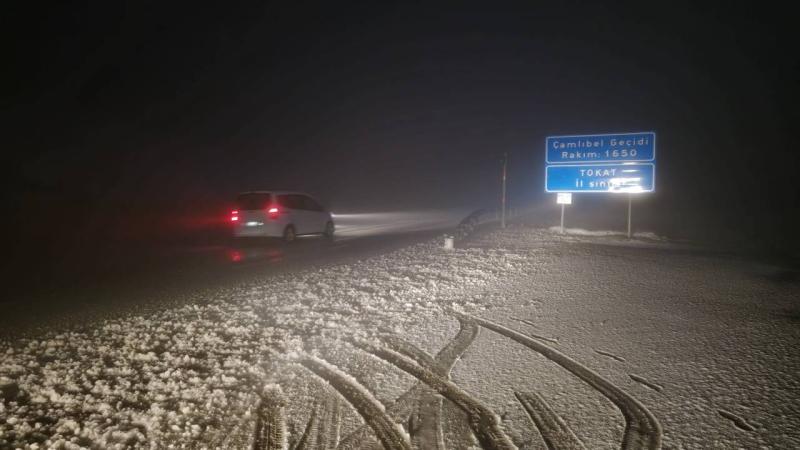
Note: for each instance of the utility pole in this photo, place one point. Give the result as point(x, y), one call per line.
point(503, 200)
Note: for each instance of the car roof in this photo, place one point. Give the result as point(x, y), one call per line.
point(276, 192)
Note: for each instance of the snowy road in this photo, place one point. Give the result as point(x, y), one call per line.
point(104, 282)
point(521, 338)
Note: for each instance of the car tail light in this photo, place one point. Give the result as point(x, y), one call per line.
point(234, 216)
point(273, 212)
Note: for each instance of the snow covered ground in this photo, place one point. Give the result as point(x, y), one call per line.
point(519, 338)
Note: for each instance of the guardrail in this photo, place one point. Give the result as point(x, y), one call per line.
point(482, 217)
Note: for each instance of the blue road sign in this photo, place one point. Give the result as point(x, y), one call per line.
point(601, 148)
point(614, 178)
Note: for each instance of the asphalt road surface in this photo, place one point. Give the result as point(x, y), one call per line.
point(127, 279)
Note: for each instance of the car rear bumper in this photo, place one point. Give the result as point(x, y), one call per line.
point(258, 229)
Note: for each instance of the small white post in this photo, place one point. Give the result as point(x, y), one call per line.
point(562, 218)
point(629, 215)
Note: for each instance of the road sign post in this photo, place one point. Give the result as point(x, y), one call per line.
point(629, 215)
point(563, 199)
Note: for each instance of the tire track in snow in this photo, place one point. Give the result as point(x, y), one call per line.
point(527, 322)
point(424, 424)
point(484, 422)
point(555, 432)
point(543, 338)
point(455, 427)
point(642, 429)
point(229, 437)
point(454, 350)
point(322, 429)
point(408, 349)
point(610, 355)
point(645, 382)
point(330, 428)
point(309, 437)
point(424, 421)
point(738, 421)
point(270, 428)
point(453, 419)
point(431, 407)
point(371, 410)
point(408, 404)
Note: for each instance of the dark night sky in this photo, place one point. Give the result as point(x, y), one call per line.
point(146, 109)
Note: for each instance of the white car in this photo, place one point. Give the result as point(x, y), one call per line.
point(282, 214)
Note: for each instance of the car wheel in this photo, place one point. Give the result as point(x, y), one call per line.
point(289, 234)
point(329, 230)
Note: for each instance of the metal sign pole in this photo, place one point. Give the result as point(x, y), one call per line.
point(562, 218)
point(629, 215)
point(503, 218)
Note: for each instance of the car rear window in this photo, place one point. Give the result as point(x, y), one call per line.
point(252, 201)
point(291, 201)
point(312, 204)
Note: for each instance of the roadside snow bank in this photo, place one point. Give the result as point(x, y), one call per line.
point(646, 235)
